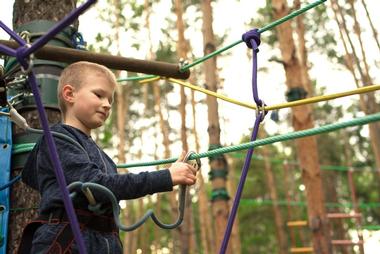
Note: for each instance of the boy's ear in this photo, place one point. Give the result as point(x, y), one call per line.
point(68, 93)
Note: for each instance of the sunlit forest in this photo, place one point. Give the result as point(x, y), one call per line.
point(224, 85)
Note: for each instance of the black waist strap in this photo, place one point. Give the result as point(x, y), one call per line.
point(86, 219)
point(64, 238)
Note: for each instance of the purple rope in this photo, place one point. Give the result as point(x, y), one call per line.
point(252, 39)
point(21, 53)
point(8, 51)
point(57, 165)
point(13, 35)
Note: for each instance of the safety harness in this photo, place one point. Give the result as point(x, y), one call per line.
point(64, 239)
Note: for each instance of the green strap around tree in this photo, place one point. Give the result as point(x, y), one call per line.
point(218, 173)
point(219, 194)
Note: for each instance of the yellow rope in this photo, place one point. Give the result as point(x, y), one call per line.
point(200, 89)
point(365, 89)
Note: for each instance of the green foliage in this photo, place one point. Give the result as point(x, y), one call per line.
point(265, 16)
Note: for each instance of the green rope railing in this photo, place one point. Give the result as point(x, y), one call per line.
point(216, 52)
point(270, 140)
point(371, 227)
point(364, 167)
point(136, 78)
point(262, 202)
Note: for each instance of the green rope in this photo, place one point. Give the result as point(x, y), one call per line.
point(371, 227)
point(261, 30)
point(22, 209)
point(136, 78)
point(265, 28)
point(240, 155)
point(270, 140)
point(21, 148)
point(261, 202)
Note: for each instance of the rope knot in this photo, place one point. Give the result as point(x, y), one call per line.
point(252, 39)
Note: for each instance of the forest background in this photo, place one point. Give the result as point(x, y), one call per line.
point(147, 30)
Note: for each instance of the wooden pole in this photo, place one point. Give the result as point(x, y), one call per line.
point(67, 55)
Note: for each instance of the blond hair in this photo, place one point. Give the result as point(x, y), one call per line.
point(75, 75)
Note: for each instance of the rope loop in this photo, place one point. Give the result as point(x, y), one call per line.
point(252, 39)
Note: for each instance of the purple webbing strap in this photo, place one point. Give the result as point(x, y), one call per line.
point(21, 53)
point(8, 51)
point(57, 165)
point(252, 39)
point(13, 35)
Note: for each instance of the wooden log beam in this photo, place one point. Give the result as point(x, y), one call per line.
point(68, 55)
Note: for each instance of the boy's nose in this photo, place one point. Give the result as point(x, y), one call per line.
point(106, 104)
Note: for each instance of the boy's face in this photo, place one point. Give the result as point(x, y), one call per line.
point(91, 103)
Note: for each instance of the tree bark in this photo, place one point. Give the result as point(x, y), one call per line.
point(24, 200)
point(278, 219)
point(231, 186)
point(187, 236)
point(374, 31)
point(351, 183)
point(300, 29)
point(367, 101)
point(306, 147)
point(207, 239)
point(220, 207)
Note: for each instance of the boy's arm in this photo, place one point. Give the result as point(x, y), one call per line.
point(78, 167)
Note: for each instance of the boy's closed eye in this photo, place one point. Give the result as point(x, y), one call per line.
point(98, 95)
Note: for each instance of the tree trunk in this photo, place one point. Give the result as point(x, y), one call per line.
point(271, 185)
point(306, 147)
point(220, 204)
point(184, 229)
point(374, 31)
point(122, 104)
point(207, 239)
point(338, 232)
point(300, 29)
point(23, 199)
point(351, 183)
point(187, 234)
point(367, 101)
point(231, 187)
point(164, 126)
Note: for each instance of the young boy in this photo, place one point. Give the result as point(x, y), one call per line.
point(85, 93)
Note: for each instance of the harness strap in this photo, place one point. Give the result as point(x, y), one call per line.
point(61, 244)
point(64, 238)
point(27, 237)
point(63, 241)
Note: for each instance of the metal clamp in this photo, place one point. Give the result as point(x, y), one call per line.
point(30, 62)
point(261, 109)
point(196, 164)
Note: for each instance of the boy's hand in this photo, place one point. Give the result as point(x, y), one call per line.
point(182, 172)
